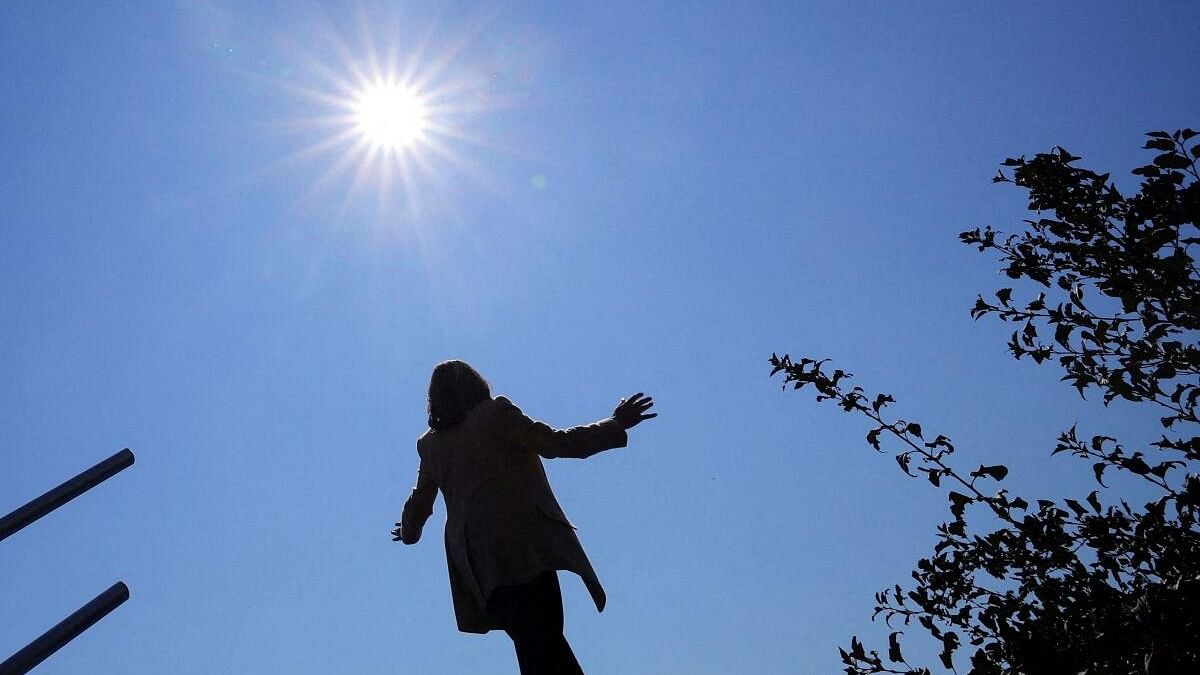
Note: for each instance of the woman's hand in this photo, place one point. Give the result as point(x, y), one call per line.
point(632, 411)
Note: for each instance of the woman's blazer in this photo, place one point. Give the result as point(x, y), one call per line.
point(503, 524)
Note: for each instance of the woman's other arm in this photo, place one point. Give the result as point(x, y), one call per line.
point(418, 507)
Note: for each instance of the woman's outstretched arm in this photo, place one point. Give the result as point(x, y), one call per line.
point(577, 442)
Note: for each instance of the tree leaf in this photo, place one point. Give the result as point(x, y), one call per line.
point(996, 472)
point(880, 401)
point(894, 654)
point(873, 438)
point(1075, 506)
point(958, 503)
point(1171, 160)
point(1136, 465)
point(949, 644)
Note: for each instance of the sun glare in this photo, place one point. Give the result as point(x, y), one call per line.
point(391, 116)
point(399, 119)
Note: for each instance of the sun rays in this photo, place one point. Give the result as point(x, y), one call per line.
point(390, 125)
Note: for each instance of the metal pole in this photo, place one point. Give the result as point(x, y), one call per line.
point(64, 493)
point(66, 630)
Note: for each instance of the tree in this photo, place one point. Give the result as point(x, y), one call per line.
point(1091, 585)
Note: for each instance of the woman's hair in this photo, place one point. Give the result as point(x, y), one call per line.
point(454, 388)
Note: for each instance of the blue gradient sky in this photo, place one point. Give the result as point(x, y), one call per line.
point(642, 197)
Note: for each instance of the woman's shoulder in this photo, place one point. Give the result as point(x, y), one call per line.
point(503, 408)
point(486, 409)
point(493, 413)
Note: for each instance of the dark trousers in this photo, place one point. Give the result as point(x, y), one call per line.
point(532, 615)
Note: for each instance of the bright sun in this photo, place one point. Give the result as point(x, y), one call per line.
point(402, 122)
point(391, 116)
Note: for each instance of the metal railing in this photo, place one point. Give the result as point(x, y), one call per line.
point(66, 630)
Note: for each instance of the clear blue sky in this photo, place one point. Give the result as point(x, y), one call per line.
point(636, 197)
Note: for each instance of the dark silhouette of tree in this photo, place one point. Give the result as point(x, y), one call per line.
point(1092, 585)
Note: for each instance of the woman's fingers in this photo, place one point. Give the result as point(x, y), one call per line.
point(632, 410)
point(638, 401)
point(644, 405)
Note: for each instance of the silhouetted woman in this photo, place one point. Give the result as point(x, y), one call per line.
point(506, 535)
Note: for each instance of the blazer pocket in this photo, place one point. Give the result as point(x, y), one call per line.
point(560, 519)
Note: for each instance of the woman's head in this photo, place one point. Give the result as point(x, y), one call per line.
point(454, 388)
